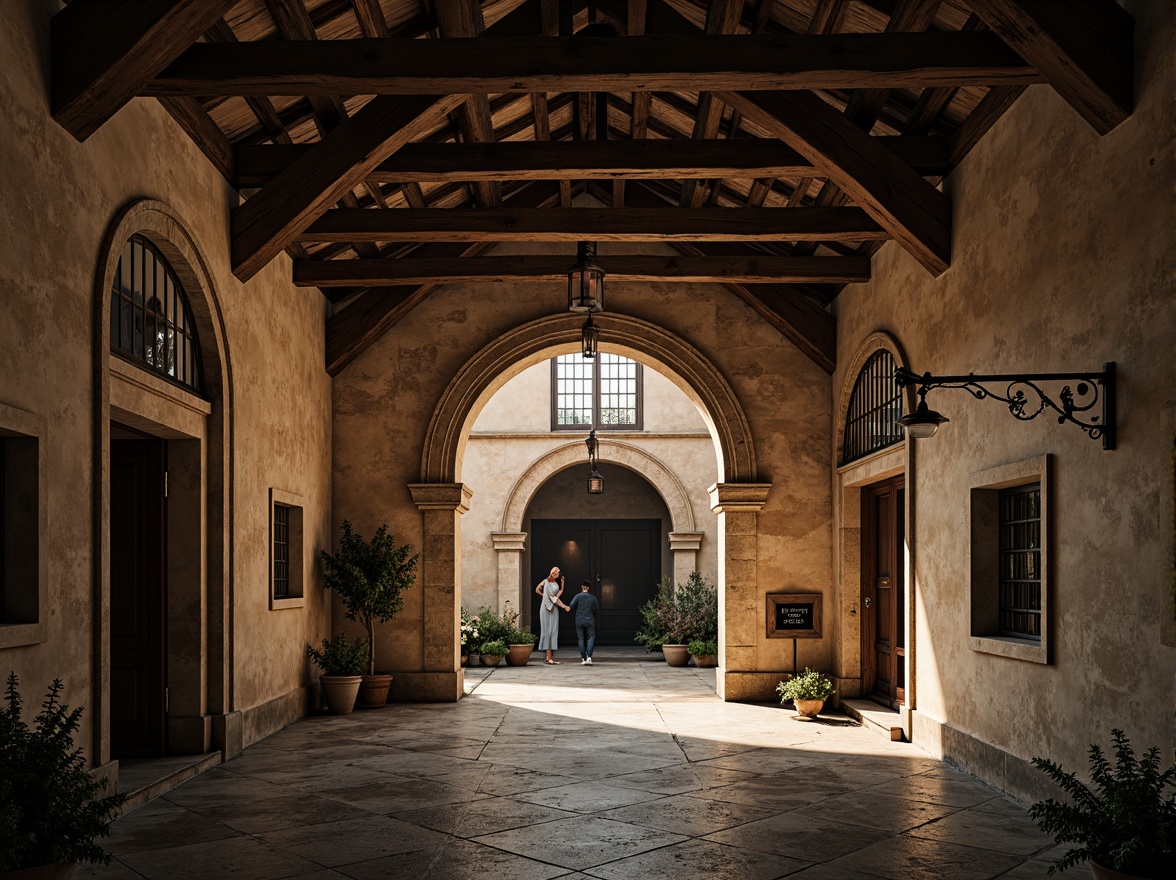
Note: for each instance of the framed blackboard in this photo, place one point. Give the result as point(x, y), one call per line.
point(793, 615)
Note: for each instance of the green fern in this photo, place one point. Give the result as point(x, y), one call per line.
point(1124, 822)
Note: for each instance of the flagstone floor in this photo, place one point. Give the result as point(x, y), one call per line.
point(614, 771)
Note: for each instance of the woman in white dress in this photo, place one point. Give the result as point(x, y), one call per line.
point(551, 588)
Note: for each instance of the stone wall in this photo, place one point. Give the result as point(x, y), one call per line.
point(60, 199)
point(1062, 259)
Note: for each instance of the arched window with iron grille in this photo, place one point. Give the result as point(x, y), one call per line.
point(150, 322)
point(874, 408)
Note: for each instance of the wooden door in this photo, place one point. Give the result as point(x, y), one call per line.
point(137, 607)
point(621, 558)
point(883, 593)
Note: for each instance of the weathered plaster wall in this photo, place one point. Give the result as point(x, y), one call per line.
point(384, 399)
point(58, 199)
point(514, 430)
point(1063, 259)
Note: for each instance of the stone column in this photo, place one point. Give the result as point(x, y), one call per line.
point(442, 678)
point(684, 546)
point(741, 603)
point(509, 547)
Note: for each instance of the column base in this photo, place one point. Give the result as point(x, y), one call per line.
point(427, 687)
point(747, 687)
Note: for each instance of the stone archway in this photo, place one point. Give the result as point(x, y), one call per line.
point(736, 498)
point(509, 539)
point(200, 713)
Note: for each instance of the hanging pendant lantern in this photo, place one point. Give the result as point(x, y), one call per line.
point(589, 338)
point(586, 281)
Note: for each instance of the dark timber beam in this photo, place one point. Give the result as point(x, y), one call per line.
point(273, 218)
point(257, 164)
point(679, 62)
point(605, 224)
point(105, 51)
point(532, 268)
point(1084, 48)
point(914, 212)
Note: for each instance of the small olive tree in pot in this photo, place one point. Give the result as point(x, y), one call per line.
point(370, 577)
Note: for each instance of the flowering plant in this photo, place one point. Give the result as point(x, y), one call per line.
point(469, 632)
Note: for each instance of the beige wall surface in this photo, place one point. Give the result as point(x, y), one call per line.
point(385, 398)
point(1062, 259)
point(59, 197)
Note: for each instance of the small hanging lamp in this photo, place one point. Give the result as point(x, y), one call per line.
point(586, 281)
point(589, 338)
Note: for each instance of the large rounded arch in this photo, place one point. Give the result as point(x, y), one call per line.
point(530, 343)
point(200, 605)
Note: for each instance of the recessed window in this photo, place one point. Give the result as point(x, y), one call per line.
point(875, 405)
point(1008, 562)
point(286, 570)
point(150, 321)
point(22, 525)
point(601, 393)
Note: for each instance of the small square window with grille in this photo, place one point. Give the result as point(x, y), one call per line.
point(604, 393)
point(1020, 561)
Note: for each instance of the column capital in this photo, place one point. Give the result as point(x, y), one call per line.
point(509, 541)
point(441, 496)
point(685, 540)
point(731, 497)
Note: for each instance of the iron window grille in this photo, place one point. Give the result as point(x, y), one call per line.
point(281, 551)
point(874, 409)
point(150, 319)
point(1020, 562)
point(603, 393)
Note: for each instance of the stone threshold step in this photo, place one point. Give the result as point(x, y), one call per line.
point(873, 717)
point(148, 778)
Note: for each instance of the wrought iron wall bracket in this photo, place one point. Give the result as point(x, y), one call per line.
point(1026, 399)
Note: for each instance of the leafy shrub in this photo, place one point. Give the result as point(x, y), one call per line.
point(523, 637)
point(678, 616)
point(340, 657)
point(809, 686)
point(50, 810)
point(1125, 822)
point(703, 647)
point(470, 634)
point(496, 648)
point(495, 627)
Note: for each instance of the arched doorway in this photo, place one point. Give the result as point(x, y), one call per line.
point(443, 498)
point(162, 453)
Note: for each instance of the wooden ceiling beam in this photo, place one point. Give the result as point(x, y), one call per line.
point(1084, 48)
point(667, 159)
point(105, 51)
point(602, 224)
point(273, 218)
point(674, 62)
point(532, 268)
point(916, 214)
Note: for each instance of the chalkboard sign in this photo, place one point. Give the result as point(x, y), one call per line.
point(794, 616)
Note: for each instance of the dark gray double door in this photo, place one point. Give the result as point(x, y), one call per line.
point(621, 558)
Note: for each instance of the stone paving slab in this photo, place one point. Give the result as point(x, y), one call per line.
point(607, 772)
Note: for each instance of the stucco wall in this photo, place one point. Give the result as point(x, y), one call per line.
point(1062, 259)
point(59, 198)
point(384, 399)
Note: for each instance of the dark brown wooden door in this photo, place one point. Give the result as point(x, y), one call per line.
point(137, 584)
point(883, 594)
point(621, 558)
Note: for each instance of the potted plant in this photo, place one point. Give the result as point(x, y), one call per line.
point(469, 638)
point(521, 644)
point(50, 809)
point(495, 627)
point(493, 652)
point(675, 617)
point(705, 653)
point(370, 578)
point(1125, 823)
point(341, 663)
point(808, 692)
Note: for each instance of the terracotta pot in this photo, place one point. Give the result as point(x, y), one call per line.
point(340, 692)
point(60, 871)
point(519, 655)
point(491, 659)
point(705, 661)
point(373, 691)
point(465, 659)
point(475, 658)
point(809, 708)
point(1101, 873)
point(676, 655)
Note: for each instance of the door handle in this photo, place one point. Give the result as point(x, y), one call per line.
point(867, 601)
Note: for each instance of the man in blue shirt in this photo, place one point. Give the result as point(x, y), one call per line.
point(586, 609)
